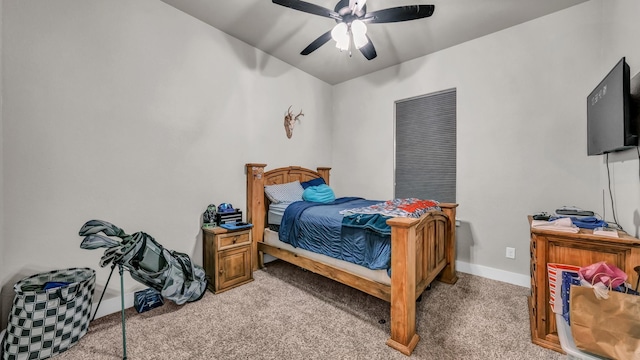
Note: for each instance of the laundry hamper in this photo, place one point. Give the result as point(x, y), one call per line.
point(50, 313)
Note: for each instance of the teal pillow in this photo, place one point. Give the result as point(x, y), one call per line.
point(321, 193)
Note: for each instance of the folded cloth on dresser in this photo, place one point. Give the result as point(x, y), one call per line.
point(585, 222)
point(561, 224)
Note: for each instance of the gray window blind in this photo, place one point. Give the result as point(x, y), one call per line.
point(425, 154)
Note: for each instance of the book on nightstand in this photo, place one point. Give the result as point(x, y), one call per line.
point(236, 226)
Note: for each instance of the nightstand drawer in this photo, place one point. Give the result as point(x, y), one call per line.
point(233, 239)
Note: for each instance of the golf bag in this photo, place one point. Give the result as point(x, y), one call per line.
point(171, 273)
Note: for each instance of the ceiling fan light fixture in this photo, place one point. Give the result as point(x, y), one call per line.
point(359, 31)
point(351, 17)
point(340, 34)
point(343, 45)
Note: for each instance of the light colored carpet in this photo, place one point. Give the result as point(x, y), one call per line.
point(289, 313)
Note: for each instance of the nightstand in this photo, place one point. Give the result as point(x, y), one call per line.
point(227, 257)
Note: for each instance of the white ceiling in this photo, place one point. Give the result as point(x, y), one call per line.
point(284, 32)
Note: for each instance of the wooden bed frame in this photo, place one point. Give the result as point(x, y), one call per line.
point(422, 249)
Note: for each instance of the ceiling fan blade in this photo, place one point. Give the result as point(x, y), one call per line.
point(323, 39)
point(309, 8)
point(400, 13)
point(369, 51)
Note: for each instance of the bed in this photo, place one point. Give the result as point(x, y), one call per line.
point(422, 250)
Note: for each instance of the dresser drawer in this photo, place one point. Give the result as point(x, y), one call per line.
point(233, 239)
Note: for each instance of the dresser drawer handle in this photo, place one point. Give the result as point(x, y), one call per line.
point(235, 239)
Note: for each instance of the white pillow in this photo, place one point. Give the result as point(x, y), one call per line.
point(288, 192)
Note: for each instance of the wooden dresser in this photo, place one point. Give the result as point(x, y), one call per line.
point(227, 257)
point(580, 249)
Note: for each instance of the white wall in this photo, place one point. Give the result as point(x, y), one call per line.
point(136, 113)
point(521, 128)
point(620, 20)
point(2, 252)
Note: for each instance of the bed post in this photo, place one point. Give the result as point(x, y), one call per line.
point(256, 208)
point(403, 285)
point(448, 274)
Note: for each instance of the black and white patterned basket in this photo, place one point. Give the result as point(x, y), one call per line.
point(43, 323)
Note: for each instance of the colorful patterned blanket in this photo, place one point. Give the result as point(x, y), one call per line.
point(410, 207)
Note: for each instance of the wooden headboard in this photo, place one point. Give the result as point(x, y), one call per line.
point(257, 202)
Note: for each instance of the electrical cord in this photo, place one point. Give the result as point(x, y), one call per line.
point(638, 151)
point(613, 208)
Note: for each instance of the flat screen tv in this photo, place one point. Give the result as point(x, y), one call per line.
point(612, 123)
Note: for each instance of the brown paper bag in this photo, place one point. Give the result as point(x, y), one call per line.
point(606, 327)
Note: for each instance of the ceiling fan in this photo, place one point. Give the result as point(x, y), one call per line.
point(352, 17)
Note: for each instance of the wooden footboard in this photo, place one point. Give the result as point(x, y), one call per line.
point(422, 250)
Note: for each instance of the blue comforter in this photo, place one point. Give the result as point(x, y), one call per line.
point(318, 227)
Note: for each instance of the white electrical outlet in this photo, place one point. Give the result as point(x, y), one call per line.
point(511, 253)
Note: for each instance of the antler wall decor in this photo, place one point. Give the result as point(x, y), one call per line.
point(290, 121)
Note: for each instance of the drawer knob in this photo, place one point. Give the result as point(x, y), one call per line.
point(235, 239)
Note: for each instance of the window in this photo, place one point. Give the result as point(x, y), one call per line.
point(425, 147)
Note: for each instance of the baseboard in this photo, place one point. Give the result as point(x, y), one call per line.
point(112, 305)
point(494, 274)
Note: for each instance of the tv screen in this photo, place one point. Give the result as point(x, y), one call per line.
point(610, 126)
